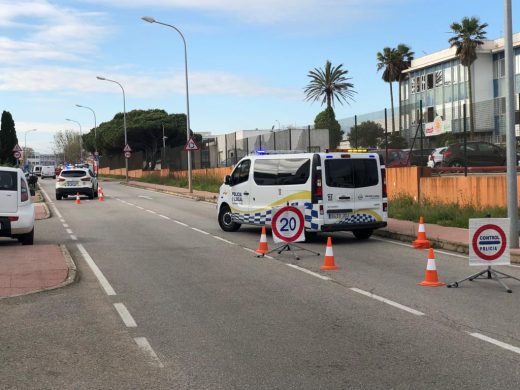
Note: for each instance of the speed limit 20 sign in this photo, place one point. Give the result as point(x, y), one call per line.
point(489, 241)
point(287, 225)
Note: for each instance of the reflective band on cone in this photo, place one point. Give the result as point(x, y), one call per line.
point(421, 242)
point(100, 195)
point(431, 279)
point(262, 246)
point(77, 198)
point(328, 262)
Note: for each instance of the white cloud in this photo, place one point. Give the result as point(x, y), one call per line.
point(71, 80)
point(270, 11)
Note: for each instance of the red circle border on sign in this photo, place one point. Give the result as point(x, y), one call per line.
point(502, 236)
point(275, 219)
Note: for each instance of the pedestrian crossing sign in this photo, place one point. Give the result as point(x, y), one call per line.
point(191, 145)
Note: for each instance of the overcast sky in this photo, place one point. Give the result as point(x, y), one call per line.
point(247, 59)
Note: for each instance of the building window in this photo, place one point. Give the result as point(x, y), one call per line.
point(429, 80)
point(430, 114)
point(499, 68)
point(455, 74)
point(517, 64)
point(412, 85)
point(423, 82)
point(417, 84)
point(438, 78)
point(447, 76)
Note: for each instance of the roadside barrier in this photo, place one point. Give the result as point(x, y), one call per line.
point(77, 198)
point(421, 242)
point(262, 246)
point(328, 262)
point(431, 279)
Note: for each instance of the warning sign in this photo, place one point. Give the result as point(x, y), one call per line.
point(17, 148)
point(191, 145)
point(488, 241)
point(127, 148)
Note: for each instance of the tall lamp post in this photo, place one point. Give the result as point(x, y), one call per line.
point(149, 19)
point(80, 139)
point(25, 146)
point(124, 118)
point(95, 128)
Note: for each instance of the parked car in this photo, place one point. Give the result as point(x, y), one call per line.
point(16, 207)
point(409, 157)
point(76, 181)
point(436, 157)
point(48, 171)
point(478, 154)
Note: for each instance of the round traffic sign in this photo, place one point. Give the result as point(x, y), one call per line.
point(287, 224)
point(17, 154)
point(128, 154)
point(489, 242)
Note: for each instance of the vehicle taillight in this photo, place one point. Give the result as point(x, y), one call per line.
point(383, 177)
point(447, 154)
point(12, 219)
point(318, 190)
point(61, 179)
point(85, 179)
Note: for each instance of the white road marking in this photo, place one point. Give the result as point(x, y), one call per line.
point(200, 231)
point(130, 204)
point(388, 301)
point(73, 237)
point(140, 208)
point(95, 269)
point(248, 249)
point(54, 208)
point(180, 223)
point(151, 211)
point(68, 231)
point(224, 240)
point(145, 346)
point(410, 246)
point(62, 220)
point(144, 197)
point(125, 315)
point(65, 225)
point(308, 272)
point(164, 216)
point(500, 344)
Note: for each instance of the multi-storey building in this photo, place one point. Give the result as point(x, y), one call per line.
point(440, 82)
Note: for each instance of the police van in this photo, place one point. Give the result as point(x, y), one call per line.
point(336, 191)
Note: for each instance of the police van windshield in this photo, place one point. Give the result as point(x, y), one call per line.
point(351, 173)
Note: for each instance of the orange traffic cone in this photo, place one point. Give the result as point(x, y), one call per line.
point(100, 194)
point(431, 279)
point(328, 263)
point(421, 242)
point(77, 198)
point(262, 246)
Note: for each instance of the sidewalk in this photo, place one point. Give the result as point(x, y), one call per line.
point(32, 268)
point(449, 238)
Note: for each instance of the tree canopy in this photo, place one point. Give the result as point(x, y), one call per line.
point(327, 120)
point(8, 139)
point(368, 134)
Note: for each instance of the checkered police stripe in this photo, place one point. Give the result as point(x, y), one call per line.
point(256, 218)
point(358, 218)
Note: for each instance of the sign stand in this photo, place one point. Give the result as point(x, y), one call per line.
point(287, 226)
point(488, 239)
point(491, 274)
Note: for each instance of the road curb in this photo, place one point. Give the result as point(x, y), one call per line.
point(179, 194)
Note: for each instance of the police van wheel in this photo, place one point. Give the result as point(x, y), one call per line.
point(362, 234)
point(225, 221)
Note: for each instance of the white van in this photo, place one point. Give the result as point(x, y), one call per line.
point(37, 170)
point(338, 191)
point(48, 171)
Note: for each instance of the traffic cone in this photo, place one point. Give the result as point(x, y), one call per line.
point(431, 279)
point(77, 198)
point(421, 242)
point(328, 263)
point(262, 246)
point(100, 194)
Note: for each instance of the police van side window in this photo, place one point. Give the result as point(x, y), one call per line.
point(241, 172)
point(266, 172)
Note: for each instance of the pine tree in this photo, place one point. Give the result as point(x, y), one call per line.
point(8, 139)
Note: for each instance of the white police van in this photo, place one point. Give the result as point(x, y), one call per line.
point(337, 191)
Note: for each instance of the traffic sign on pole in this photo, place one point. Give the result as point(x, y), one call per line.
point(128, 154)
point(17, 155)
point(127, 148)
point(17, 148)
point(191, 145)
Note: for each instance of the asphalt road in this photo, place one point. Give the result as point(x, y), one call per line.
point(182, 304)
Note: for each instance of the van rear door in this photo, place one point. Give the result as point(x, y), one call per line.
point(351, 183)
point(8, 191)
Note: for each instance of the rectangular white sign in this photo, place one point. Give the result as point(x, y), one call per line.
point(489, 241)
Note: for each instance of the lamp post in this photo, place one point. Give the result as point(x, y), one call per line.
point(149, 19)
point(80, 139)
point(95, 128)
point(124, 118)
point(25, 146)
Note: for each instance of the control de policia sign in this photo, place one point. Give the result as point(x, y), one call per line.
point(489, 241)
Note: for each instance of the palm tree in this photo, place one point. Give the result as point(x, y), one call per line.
point(329, 84)
point(406, 62)
point(469, 34)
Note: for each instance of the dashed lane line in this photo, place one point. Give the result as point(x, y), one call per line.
point(387, 301)
point(224, 240)
point(164, 216)
point(180, 223)
point(95, 269)
point(498, 343)
point(68, 231)
point(200, 231)
point(309, 272)
point(125, 315)
point(145, 346)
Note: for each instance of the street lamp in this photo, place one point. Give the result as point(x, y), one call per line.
point(149, 19)
point(124, 118)
point(25, 146)
point(95, 128)
point(80, 139)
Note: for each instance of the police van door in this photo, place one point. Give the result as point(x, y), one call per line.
point(240, 190)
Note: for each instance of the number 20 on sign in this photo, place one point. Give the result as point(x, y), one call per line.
point(288, 225)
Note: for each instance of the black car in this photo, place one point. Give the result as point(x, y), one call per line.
point(478, 154)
